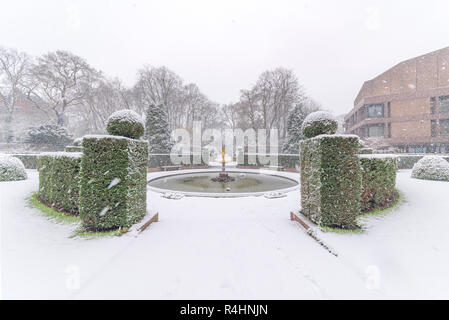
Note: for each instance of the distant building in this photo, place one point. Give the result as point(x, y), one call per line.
point(25, 116)
point(407, 106)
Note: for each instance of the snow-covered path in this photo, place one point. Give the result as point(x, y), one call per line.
point(244, 248)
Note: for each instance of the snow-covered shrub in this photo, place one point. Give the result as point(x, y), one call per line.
point(378, 182)
point(406, 161)
point(294, 132)
point(319, 122)
point(126, 123)
point(28, 160)
point(59, 180)
point(113, 182)
point(54, 136)
point(11, 169)
point(157, 130)
point(431, 168)
point(331, 180)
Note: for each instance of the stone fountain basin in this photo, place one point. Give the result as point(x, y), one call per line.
point(247, 183)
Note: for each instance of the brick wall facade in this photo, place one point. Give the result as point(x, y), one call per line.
point(411, 105)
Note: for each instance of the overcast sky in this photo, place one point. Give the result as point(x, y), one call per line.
point(223, 46)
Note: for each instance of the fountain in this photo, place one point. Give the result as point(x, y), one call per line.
point(223, 183)
point(223, 177)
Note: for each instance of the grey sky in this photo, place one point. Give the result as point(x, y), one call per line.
point(333, 46)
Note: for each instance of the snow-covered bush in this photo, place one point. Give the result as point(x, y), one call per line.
point(319, 122)
point(11, 169)
point(28, 160)
point(113, 182)
point(157, 130)
point(431, 168)
point(54, 136)
point(126, 123)
point(59, 180)
point(294, 132)
point(331, 180)
point(366, 151)
point(378, 182)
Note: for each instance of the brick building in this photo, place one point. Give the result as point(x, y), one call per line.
point(406, 107)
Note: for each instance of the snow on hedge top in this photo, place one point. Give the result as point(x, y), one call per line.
point(126, 123)
point(62, 154)
point(319, 122)
point(11, 169)
point(431, 168)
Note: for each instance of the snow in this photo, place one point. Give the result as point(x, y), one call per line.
point(63, 154)
point(126, 115)
point(378, 156)
point(114, 182)
point(242, 248)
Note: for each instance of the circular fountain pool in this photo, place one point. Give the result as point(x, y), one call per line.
point(201, 184)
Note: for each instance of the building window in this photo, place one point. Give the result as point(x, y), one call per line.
point(433, 128)
point(372, 131)
point(389, 109)
point(375, 110)
point(444, 104)
point(444, 127)
point(433, 104)
point(389, 130)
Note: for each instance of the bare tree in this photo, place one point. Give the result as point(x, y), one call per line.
point(61, 81)
point(158, 86)
point(14, 70)
point(104, 99)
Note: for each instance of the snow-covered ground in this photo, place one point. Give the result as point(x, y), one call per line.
point(244, 248)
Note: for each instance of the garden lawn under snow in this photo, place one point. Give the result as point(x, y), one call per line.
point(243, 248)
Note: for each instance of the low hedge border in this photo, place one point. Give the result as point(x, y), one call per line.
point(378, 182)
point(59, 180)
point(291, 161)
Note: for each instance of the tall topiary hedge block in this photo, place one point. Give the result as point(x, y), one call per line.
point(59, 180)
point(331, 180)
point(378, 182)
point(113, 182)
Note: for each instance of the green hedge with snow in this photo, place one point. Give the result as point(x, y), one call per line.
point(378, 182)
point(11, 169)
point(431, 168)
point(284, 160)
point(59, 180)
point(112, 182)
point(331, 180)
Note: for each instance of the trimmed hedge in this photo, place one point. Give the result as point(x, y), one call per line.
point(113, 181)
point(126, 123)
point(73, 149)
point(59, 180)
point(378, 182)
point(163, 159)
point(284, 160)
point(431, 168)
point(331, 180)
point(11, 169)
point(319, 122)
point(28, 160)
point(408, 161)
